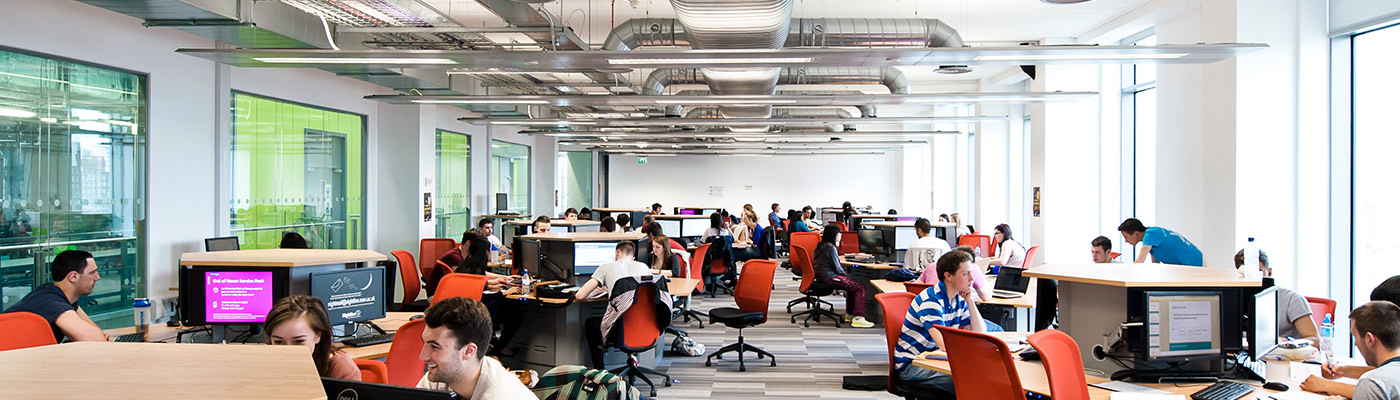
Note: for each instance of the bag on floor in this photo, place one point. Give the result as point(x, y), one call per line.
point(683, 344)
point(901, 275)
point(577, 382)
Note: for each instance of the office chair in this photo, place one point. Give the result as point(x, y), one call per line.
point(812, 291)
point(751, 295)
point(225, 243)
point(804, 239)
point(373, 371)
point(640, 329)
point(460, 285)
point(993, 373)
point(693, 270)
point(975, 241)
point(1063, 366)
point(915, 287)
point(412, 283)
point(429, 250)
point(24, 330)
point(405, 369)
point(893, 306)
point(1321, 307)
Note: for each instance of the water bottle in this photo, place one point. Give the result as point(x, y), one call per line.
point(141, 309)
point(525, 283)
point(977, 250)
point(495, 254)
point(1326, 340)
point(1251, 260)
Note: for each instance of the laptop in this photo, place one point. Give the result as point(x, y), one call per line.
point(338, 389)
point(1010, 283)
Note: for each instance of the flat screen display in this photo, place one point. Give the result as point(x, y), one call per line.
point(352, 295)
point(237, 297)
point(903, 236)
point(670, 227)
point(694, 227)
point(588, 256)
point(1183, 324)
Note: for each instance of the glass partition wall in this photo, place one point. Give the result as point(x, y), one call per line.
point(510, 174)
point(452, 206)
point(72, 176)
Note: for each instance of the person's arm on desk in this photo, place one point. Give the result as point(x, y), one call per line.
point(1308, 331)
point(1317, 384)
point(78, 327)
point(1142, 254)
point(977, 324)
point(586, 290)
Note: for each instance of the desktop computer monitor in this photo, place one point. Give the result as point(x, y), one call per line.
point(356, 390)
point(1183, 324)
point(872, 241)
point(903, 236)
point(352, 295)
point(501, 203)
point(694, 227)
point(689, 211)
point(230, 295)
point(670, 227)
point(1263, 323)
point(589, 255)
point(225, 243)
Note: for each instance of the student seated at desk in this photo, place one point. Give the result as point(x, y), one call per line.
point(74, 274)
point(293, 240)
point(958, 228)
point(1164, 245)
point(301, 320)
point(571, 214)
point(488, 229)
point(541, 224)
point(653, 229)
point(1389, 290)
point(656, 209)
point(826, 270)
point(661, 255)
point(716, 228)
point(980, 287)
point(608, 224)
point(809, 218)
point(455, 335)
point(603, 280)
point(741, 231)
point(1294, 315)
point(1102, 250)
point(1375, 327)
point(624, 222)
point(949, 304)
point(796, 223)
point(922, 253)
point(775, 221)
point(585, 214)
point(754, 240)
point(475, 248)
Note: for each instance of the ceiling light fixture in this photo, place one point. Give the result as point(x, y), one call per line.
point(952, 69)
point(728, 102)
point(10, 112)
point(701, 61)
point(467, 101)
point(537, 122)
point(1048, 57)
point(333, 60)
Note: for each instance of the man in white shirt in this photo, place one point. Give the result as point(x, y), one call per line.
point(454, 347)
point(488, 229)
point(603, 280)
point(924, 251)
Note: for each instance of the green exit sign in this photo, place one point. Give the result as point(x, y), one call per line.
point(641, 160)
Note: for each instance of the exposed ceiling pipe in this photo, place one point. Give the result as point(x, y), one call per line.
point(802, 32)
point(789, 112)
point(731, 24)
point(639, 32)
point(889, 77)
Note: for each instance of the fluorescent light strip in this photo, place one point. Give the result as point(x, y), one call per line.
point(505, 101)
point(1048, 57)
point(329, 60)
point(560, 122)
point(693, 61)
point(10, 112)
point(491, 73)
point(726, 102)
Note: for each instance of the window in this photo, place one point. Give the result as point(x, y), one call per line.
point(454, 184)
point(510, 167)
point(73, 156)
point(1375, 242)
point(575, 180)
point(1140, 131)
point(296, 168)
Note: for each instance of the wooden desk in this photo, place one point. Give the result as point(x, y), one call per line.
point(893, 224)
point(584, 236)
point(692, 246)
point(682, 287)
point(577, 222)
point(390, 323)
point(101, 370)
point(620, 210)
point(507, 216)
point(1142, 275)
point(159, 332)
point(279, 257)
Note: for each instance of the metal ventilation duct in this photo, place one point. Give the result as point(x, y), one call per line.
point(638, 32)
point(889, 77)
point(737, 24)
point(789, 112)
point(802, 32)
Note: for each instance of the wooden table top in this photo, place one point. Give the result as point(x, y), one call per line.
point(681, 287)
point(870, 265)
point(279, 257)
point(102, 370)
point(576, 222)
point(692, 246)
point(1142, 275)
point(680, 216)
point(507, 216)
point(896, 224)
point(584, 236)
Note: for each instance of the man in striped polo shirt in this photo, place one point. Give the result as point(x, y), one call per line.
point(946, 304)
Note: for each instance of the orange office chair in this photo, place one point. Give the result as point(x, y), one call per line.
point(1030, 258)
point(412, 282)
point(975, 241)
point(429, 250)
point(405, 369)
point(751, 294)
point(811, 291)
point(638, 333)
point(850, 242)
point(1060, 355)
point(460, 285)
point(981, 364)
point(373, 371)
point(711, 268)
point(893, 307)
point(1320, 308)
point(692, 271)
point(804, 239)
point(1114, 254)
point(917, 287)
point(23, 330)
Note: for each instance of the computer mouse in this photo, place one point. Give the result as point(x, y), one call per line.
point(1279, 386)
point(1030, 355)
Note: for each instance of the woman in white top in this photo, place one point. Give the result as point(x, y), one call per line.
point(716, 228)
point(958, 226)
point(1010, 253)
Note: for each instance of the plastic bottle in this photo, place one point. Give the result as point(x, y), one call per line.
point(525, 283)
point(141, 309)
point(977, 250)
point(1251, 259)
point(1326, 336)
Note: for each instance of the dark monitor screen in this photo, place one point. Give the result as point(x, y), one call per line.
point(230, 295)
point(872, 241)
point(225, 243)
point(352, 295)
point(340, 389)
point(1263, 323)
point(1184, 324)
point(501, 204)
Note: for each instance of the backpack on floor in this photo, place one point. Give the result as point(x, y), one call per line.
point(683, 344)
point(577, 382)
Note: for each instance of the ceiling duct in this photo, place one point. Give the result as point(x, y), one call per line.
point(889, 77)
point(638, 32)
point(872, 32)
point(790, 112)
point(737, 24)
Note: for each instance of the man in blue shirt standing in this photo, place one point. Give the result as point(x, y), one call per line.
point(946, 304)
point(1165, 246)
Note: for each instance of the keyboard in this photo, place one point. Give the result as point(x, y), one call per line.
point(1223, 390)
point(1006, 294)
point(369, 340)
point(130, 337)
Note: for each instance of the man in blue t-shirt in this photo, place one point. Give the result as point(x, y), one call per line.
point(1166, 247)
point(74, 275)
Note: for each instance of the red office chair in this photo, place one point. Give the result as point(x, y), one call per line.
point(373, 371)
point(405, 369)
point(975, 241)
point(715, 271)
point(1320, 308)
point(429, 250)
point(893, 307)
point(639, 331)
point(693, 270)
point(24, 330)
point(804, 239)
point(917, 287)
point(751, 294)
point(1114, 254)
point(412, 283)
point(460, 285)
point(987, 371)
point(1030, 258)
point(850, 242)
point(811, 291)
point(1063, 366)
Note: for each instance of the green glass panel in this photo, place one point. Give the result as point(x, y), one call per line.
point(452, 204)
point(510, 174)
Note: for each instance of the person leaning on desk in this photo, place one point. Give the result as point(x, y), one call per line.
point(949, 304)
point(74, 275)
point(1388, 291)
point(1164, 245)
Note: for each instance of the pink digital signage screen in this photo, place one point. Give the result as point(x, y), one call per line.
point(237, 297)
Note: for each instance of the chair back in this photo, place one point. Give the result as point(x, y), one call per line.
point(1063, 366)
point(805, 239)
point(639, 325)
point(412, 282)
point(405, 369)
point(755, 286)
point(1114, 254)
point(373, 371)
point(850, 242)
point(1030, 257)
point(23, 330)
point(994, 374)
point(698, 267)
point(460, 285)
point(893, 307)
point(917, 287)
point(1320, 308)
point(429, 250)
point(840, 225)
point(975, 241)
point(801, 259)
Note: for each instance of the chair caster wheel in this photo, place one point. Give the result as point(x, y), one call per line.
point(805, 324)
point(668, 384)
point(774, 364)
point(741, 369)
point(653, 393)
point(707, 363)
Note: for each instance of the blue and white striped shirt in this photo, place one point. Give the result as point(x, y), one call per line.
point(933, 306)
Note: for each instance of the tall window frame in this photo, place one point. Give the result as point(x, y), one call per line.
point(1139, 133)
point(452, 197)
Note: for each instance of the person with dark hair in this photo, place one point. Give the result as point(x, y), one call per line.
point(454, 341)
point(293, 240)
point(655, 208)
point(488, 229)
point(752, 234)
point(653, 229)
point(943, 218)
point(541, 224)
point(947, 304)
point(826, 270)
point(1375, 328)
point(624, 221)
point(505, 312)
point(1102, 250)
point(922, 253)
point(1294, 315)
point(1010, 253)
point(571, 214)
point(661, 252)
point(601, 284)
point(74, 274)
point(796, 223)
point(1164, 245)
point(809, 217)
point(585, 214)
point(608, 224)
point(847, 211)
point(1389, 290)
point(716, 228)
point(302, 320)
point(892, 212)
point(775, 220)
